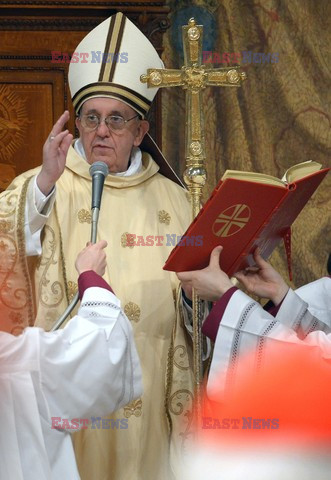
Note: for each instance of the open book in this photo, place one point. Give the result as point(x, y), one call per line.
point(294, 173)
point(246, 210)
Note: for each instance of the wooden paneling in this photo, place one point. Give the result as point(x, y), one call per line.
point(33, 88)
point(31, 98)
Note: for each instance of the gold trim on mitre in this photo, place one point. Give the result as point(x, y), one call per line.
point(112, 90)
point(113, 43)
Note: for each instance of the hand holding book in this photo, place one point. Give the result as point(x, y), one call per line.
point(263, 280)
point(246, 210)
point(211, 282)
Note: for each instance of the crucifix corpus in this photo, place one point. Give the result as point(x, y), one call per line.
point(194, 77)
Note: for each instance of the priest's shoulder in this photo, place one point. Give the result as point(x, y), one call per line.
point(321, 283)
point(172, 186)
point(317, 293)
point(153, 158)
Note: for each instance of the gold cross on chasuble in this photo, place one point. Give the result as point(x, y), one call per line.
point(194, 77)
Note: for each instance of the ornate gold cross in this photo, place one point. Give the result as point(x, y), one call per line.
point(194, 77)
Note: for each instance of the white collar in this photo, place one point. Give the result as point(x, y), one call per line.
point(135, 159)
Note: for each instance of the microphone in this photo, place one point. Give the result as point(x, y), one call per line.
point(98, 172)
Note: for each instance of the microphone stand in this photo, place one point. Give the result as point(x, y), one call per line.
point(97, 168)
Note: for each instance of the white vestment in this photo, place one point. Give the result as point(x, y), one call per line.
point(146, 206)
point(303, 320)
point(90, 368)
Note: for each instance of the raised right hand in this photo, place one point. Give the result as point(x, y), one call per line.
point(92, 257)
point(54, 155)
point(263, 280)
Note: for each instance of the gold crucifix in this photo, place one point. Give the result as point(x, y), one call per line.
point(194, 77)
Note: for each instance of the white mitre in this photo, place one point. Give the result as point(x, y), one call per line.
point(129, 55)
point(118, 54)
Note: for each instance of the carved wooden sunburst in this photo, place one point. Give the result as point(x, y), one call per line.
point(13, 122)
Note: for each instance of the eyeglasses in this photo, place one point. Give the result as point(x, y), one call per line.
point(91, 121)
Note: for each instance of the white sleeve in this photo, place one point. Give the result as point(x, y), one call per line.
point(37, 210)
point(91, 367)
point(294, 312)
point(247, 331)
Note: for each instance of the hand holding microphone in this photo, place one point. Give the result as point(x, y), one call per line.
point(98, 172)
point(92, 257)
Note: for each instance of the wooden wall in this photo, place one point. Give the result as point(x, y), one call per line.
point(33, 88)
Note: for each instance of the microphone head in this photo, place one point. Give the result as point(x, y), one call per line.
point(98, 172)
point(99, 167)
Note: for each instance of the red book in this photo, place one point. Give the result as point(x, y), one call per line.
point(246, 210)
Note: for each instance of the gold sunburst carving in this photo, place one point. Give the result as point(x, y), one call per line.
point(14, 121)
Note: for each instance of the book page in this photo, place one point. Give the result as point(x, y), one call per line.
point(294, 173)
point(254, 177)
point(301, 170)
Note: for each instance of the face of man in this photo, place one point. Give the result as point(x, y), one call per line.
point(111, 146)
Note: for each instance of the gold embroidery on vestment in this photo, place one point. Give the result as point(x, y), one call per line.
point(178, 401)
point(62, 259)
point(6, 226)
point(164, 217)
point(84, 216)
point(127, 240)
point(27, 293)
point(49, 295)
point(16, 318)
point(133, 408)
point(72, 289)
point(179, 354)
point(181, 403)
point(132, 311)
